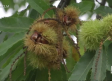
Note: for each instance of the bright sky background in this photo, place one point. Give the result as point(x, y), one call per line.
point(9, 12)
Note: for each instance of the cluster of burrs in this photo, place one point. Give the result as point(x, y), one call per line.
point(92, 33)
point(45, 41)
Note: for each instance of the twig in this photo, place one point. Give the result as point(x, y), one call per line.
point(47, 11)
point(15, 61)
point(96, 64)
point(25, 62)
point(102, 4)
point(63, 3)
point(13, 65)
point(75, 45)
point(98, 2)
point(60, 42)
point(77, 38)
point(98, 16)
point(49, 73)
point(42, 21)
point(65, 66)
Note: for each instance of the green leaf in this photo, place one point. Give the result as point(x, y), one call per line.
point(59, 75)
point(107, 43)
point(5, 72)
point(22, 13)
point(99, 66)
point(8, 3)
point(13, 29)
point(109, 57)
point(40, 6)
point(32, 75)
point(33, 14)
point(75, 54)
point(37, 74)
point(15, 24)
point(70, 61)
point(12, 4)
point(2, 36)
point(88, 76)
point(108, 76)
point(84, 6)
point(108, 53)
point(72, 1)
point(18, 73)
point(10, 53)
point(56, 75)
point(103, 10)
point(41, 75)
point(82, 68)
point(110, 3)
point(5, 38)
point(10, 42)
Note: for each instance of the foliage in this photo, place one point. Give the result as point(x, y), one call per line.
point(94, 64)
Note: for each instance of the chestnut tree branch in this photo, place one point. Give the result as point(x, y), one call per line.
point(63, 3)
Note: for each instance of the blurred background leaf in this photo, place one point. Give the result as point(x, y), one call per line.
point(15, 24)
point(40, 6)
point(13, 4)
point(83, 66)
point(99, 66)
point(103, 10)
point(84, 6)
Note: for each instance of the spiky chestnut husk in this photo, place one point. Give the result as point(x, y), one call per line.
point(49, 60)
point(54, 65)
point(53, 24)
point(29, 43)
point(60, 14)
point(108, 24)
point(42, 61)
point(92, 33)
point(69, 17)
point(72, 13)
point(72, 28)
point(38, 48)
point(53, 56)
point(38, 19)
point(108, 19)
point(47, 33)
point(49, 22)
point(37, 61)
point(54, 60)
